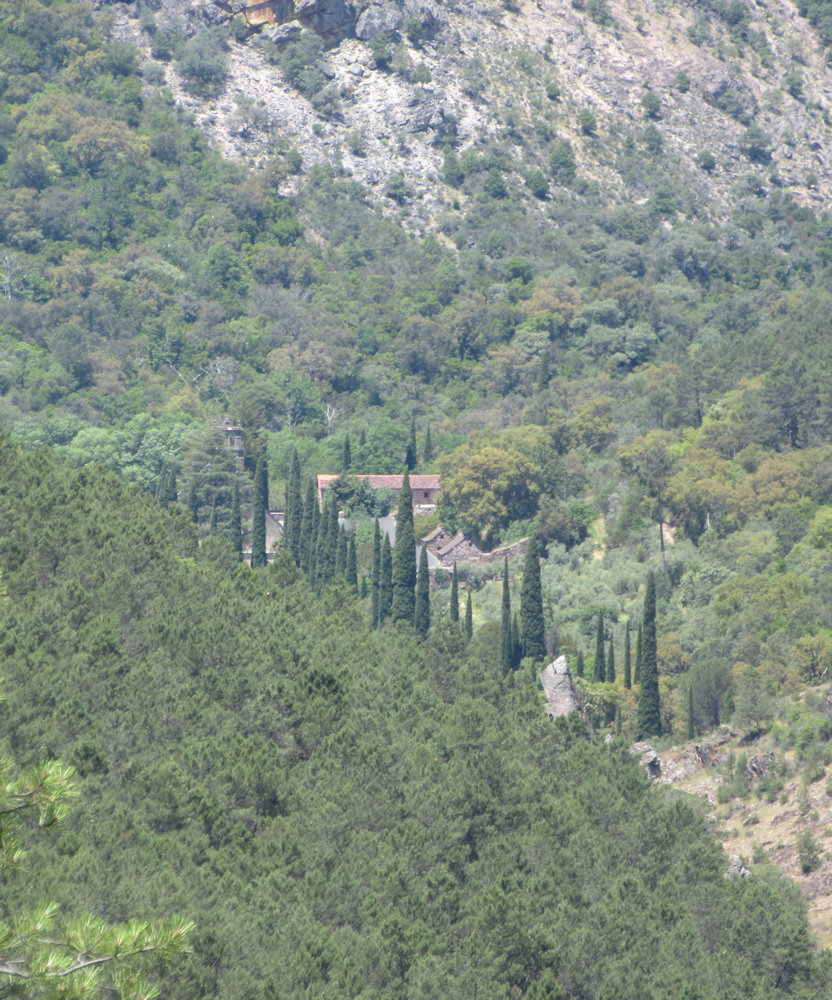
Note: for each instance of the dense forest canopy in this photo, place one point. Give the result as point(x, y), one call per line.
point(635, 376)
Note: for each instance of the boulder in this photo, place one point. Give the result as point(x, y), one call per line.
point(561, 694)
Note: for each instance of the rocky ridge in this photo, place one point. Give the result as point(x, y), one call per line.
point(485, 70)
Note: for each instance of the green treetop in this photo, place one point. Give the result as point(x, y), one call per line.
point(421, 613)
point(599, 668)
point(454, 608)
point(531, 606)
point(506, 651)
point(649, 708)
point(404, 557)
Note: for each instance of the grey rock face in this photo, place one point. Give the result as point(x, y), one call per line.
point(559, 688)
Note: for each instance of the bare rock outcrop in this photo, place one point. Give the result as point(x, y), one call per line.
point(561, 694)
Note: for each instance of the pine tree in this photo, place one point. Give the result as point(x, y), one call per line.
point(235, 528)
point(454, 595)
point(294, 510)
point(639, 648)
point(404, 557)
point(385, 592)
point(469, 618)
point(352, 563)
point(599, 668)
point(531, 606)
point(649, 707)
point(579, 666)
point(376, 578)
point(610, 678)
point(421, 612)
point(428, 452)
point(258, 515)
point(627, 675)
point(506, 650)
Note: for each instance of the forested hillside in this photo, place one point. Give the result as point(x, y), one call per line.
point(341, 812)
point(592, 289)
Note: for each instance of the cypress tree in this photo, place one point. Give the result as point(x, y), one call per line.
point(421, 612)
point(469, 618)
point(649, 707)
point(610, 678)
point(193, 505)
point(410, 454)
point(346, 455)
point(627, 676)
point(639, 646)
point(404, 557)
point(235, 528)
point(166, 491)
point(258, 523)
point(579, 666)
point(691, 725)
point(385, 591)
point(212, 527)
point(308, 531)
point(352, 563)
point(516, 643)
point(294, 511)
point(599, 668)
point(506, 649)
point(428, 452)
point(531, 606)
point(341, 552)
point(362, 590)
point(376, 578)
point(454, 595)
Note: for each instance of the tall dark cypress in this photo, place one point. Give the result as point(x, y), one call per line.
point(610, 678)
point(649, 707)
point(341, 552)
point(258, 514)
point(579, 665)
point(404, 557)
point(294, 511)
point(327, 548)
point(691, 719)
point(352, 563)
point(639, 651)
point(428, 452)
point(212, 528)
point(628, 681)
point(599, 668)
point(235, 528)
point(308, 530)
point(376, 579)
point(410, 454)
point(469, 618)
point(506, 650)
point(531, 606)
point(516, 643)
point(193, 503)
point(346, 454)
point(454, 595)
point(421, 611)
point(385, 592)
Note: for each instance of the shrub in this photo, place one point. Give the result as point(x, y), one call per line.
point(587, 121)
point(808, 852)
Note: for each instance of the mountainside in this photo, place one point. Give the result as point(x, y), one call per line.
point(692, 79)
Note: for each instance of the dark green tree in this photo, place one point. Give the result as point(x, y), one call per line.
point(454, 608)
point(212, 526)
point(599, 667)
point(516, 642)
point(531, 605)
point(404, 557)
point(375, 600)
point(294, 511)
point(385, 591)
point(691, 720)
point(258, 514)
point(410, 454)
point(193, 503)
point(309, 530)
point(628, 683)
point(341, 552)
point(639, 651)
point(166, 490)
point(469, 617)
point(326, 550)
point(346, 455)
point(235, 527)
point(421, 613)
point(610, 678)
point(649, 708)
point(579, 665)
point(352, 563)
point(428, 452)
point(506, 650)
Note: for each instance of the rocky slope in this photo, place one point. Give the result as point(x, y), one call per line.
point(677, 69)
